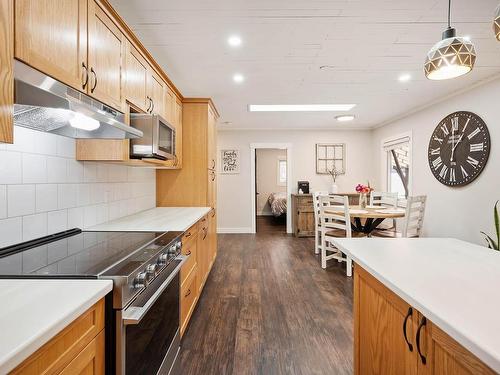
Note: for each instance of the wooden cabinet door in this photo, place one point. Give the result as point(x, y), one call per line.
point(443, 355)
point(178, 132)
point(202, 250)
point(379, 341)
point(51, 36)
point(136, 78)
point(6, 71)
point(157, 94)
point(212, 233)
point(212, 140)
point(170, 100)
point(90, 361)
point(106, 51)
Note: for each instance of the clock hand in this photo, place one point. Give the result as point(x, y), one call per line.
point(452, 142)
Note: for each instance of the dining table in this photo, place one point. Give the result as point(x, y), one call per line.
point(373, 216)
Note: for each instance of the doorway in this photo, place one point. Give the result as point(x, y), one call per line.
point(270, 188)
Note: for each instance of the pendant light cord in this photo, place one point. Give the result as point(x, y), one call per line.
point(449, 14)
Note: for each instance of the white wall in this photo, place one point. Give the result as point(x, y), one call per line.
point(44, 190)
point(234, 200)
point(267, 177)
point(451, 212)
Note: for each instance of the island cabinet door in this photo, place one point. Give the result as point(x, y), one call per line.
point(439, 354)
point(382, 321)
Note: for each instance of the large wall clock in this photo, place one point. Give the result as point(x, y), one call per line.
point(459, 148)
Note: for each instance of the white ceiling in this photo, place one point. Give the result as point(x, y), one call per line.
point(365, 45)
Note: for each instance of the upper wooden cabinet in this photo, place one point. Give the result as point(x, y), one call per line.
point(136, 78)
point(106, 51)
point(51, 36)
point(6, 72)
point(156, 94)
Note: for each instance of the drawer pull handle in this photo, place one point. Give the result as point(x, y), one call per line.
point(86, 80)
point(422, 324)
point(189, 252)
point(408, 315)
point(188, 293)
point(188, 235)
point(95, 80)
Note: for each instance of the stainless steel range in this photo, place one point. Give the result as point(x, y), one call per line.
point(142, 315)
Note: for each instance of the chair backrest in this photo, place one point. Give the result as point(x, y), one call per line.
point(316, 196)
point(334, 213)
point(414, 217)
point(384, 198)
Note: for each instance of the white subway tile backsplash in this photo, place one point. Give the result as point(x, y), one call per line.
point(57, 221)
point(56, 169)
point(34, 226)
point(89, 216)
point(117, 173)
point(20, 200)
point(83, 195)
point(10, 167)
point(75, 217)
point(34, 168)
point(46, 197)
point(66, 147)
point(24, 140)
point(102, 172)
point(67, 195)
point(11, 231)
point(46, 143)
point(3, 201)
point(89, 172)
point(101, 213)
point(75, 171)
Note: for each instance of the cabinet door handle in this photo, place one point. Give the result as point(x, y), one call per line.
point(408, 315)
point(422, 324)
point(206, 232)
point(86, 79)
point(152, 105)
point(188, 293)
point(189, 252)
point(188, 235)
point(95, 80)
point(149, 105)
point(213, 163)
point(213, 176)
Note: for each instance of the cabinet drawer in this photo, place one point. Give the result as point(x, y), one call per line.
point(189, 295)
point(90, 360)
point(55, 355)
point(203, 223)
point(190, 234)
point(191, 250)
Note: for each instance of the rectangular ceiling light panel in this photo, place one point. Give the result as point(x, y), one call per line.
point(300, 107)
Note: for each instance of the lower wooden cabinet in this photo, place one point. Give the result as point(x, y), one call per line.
point(302, 215)
point(386, 330)
point(77, 349)
point(200, 243)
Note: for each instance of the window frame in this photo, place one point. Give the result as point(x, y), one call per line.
point(278, 175)
point(387, 162)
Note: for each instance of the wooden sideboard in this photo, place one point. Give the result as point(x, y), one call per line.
point(303, 213)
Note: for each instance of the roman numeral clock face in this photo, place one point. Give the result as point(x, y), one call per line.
point(459, 148)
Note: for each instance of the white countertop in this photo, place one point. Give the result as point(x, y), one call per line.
point(34, 311)
point(453, 283)
point(159, 219)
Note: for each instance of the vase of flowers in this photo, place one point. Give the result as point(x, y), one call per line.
point(334, 172)
point(363, 191)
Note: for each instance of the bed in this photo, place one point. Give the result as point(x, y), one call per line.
point(277, 201)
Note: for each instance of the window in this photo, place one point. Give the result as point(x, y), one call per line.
point(398, 165)
point(282, 172)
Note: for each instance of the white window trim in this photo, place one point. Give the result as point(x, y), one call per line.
point(278, 181)
point(385, 160)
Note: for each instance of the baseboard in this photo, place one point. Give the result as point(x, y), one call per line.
point(234, 230)
point(265, 214)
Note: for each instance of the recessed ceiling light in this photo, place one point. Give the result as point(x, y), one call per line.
point(300, 107)
point(238, 78)
point(404, 78)
point(344, 118)
point(234, 41)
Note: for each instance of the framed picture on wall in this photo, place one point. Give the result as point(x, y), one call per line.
point(230, 161)
point(329, 155)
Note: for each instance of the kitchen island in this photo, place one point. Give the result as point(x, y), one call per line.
point(425, 306)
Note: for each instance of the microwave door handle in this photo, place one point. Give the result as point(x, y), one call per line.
point(133, 315)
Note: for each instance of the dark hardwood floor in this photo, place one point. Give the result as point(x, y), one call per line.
point(268, 308)
point(266, 224)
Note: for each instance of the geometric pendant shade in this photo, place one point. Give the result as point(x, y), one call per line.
point(496, 24)
point(450, 58)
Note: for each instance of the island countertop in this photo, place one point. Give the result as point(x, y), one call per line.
point(34, 311)
point(453, 283)
point(159, 219)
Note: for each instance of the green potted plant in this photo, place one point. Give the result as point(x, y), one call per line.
point(492, 244)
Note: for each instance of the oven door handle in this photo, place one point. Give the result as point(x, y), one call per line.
point(133, 315)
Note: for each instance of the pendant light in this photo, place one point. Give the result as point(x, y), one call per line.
point(496, 23)
point(451, 57)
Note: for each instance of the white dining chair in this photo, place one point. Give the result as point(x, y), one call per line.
point(335, 224)
point(412, 222)
point(385, 199)
point(317, 226)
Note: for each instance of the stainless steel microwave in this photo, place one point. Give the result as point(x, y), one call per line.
point(158, 140)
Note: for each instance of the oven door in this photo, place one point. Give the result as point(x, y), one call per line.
point(149, 327)
point(164, 144)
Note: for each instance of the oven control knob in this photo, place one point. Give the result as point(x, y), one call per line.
point(140, 280)
point(151, 269)
point(172, 250)
point(162, 259)
point(179, 245)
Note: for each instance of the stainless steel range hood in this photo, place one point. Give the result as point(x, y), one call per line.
point(44, 104)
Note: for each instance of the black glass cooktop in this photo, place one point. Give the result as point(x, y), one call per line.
point(81, 254)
